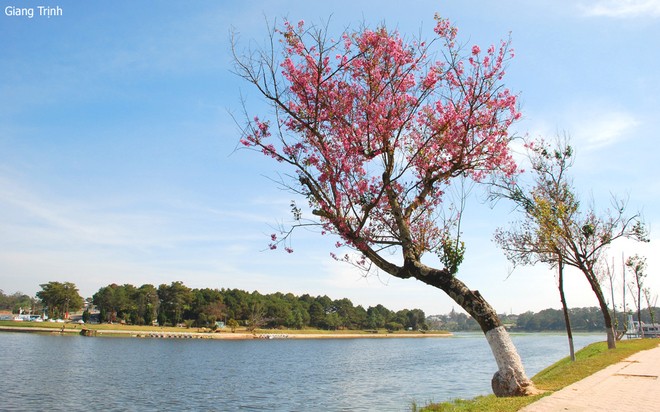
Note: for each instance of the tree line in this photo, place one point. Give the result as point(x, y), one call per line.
point(18, 301)
point(55, 299)
point(177, 304)
point(582, 319)
point(588, 319)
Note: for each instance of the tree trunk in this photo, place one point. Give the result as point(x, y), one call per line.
point(564, 306)
point(607, 317)
point(617, 334)
point(639, 305)
point(510, 379)
point(609, 328)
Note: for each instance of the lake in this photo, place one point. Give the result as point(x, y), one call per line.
point(64, 373)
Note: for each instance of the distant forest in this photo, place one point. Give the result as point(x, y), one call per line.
point(582, 320)
point(176, 304)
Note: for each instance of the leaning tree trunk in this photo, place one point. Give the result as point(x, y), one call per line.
point(609, 327)
point(510, 379)
point(607, 317)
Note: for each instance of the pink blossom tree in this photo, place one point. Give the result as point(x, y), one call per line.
point(373, 130)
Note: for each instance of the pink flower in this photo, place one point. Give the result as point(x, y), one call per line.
point(372, 97)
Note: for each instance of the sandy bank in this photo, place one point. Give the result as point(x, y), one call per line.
point(218, 336)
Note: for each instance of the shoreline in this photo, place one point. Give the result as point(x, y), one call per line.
point(215, 335)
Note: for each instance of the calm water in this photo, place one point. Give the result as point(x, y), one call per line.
point(63, 373)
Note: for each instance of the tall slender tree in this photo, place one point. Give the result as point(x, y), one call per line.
point(372, 130)
point(637, 265)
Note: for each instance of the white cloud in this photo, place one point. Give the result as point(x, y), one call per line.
point(603, 128)
point(622, 8)
point(591, 125)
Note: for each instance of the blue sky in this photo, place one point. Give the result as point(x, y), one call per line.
point(118, 160)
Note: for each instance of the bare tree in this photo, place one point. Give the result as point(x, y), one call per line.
point(637, 265)
point(651, 301)
point(609, 273)
point(557, 226)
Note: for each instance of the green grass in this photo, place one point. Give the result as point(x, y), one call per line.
point(103, 326)
point(589, 360)
point(52, 325)
point(553, 378)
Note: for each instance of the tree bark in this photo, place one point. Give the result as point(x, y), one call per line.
point(510, 379)
point(607, 317)
point(609, 327)
point(567, 319)
point(611, 337)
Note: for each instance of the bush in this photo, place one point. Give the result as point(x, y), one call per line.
point(393, 326)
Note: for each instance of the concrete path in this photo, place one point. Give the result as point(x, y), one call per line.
point(630, 385)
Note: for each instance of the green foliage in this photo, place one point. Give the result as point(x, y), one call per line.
point(232, 324)
point(452, 255)
point(127, 303)
point(175, 300)
point(393, 326)
point(453, 322)
point(587, 319)
point(18, 301)
point(481, 404)
point(177, 304)
point(60, 298)
point(162, 319)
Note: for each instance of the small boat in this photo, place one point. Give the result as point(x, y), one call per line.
point(645, 330)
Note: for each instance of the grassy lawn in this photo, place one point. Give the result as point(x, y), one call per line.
point(563, 373)
point(103, 326)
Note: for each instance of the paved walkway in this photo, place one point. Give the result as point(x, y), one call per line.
point(630, 385)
